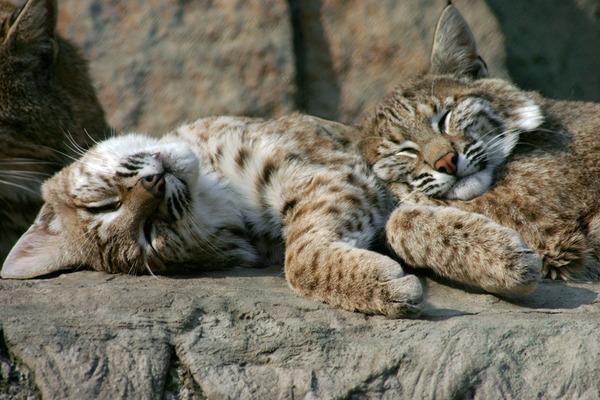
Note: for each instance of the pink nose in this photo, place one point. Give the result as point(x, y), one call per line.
point(447, 163)
point(155, 184)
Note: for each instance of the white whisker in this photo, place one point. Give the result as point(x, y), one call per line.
point(25, 188)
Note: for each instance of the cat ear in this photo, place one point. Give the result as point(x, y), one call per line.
point(35, 23)
point(38, 251)
point(454, 49)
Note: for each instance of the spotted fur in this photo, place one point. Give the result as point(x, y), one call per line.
point(529, 164)
point(446, 136)
point(226, 191)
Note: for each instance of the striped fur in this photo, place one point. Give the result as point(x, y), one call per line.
point(297, 191)
point(424, 120)
point(225, 191)
point(529, 164)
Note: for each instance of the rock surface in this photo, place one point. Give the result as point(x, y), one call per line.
point(158, 63)
point(356, 52)
point(243, 334)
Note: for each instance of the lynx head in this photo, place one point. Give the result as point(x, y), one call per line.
point(446, 133)
point(127, 206)
point(46, 101)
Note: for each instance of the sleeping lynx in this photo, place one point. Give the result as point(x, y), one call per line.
point(455, 138)
point(225, 191)
point(46, 102)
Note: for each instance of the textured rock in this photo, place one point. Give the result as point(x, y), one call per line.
point(245, 335)
point(159, 63)
point(355, 52)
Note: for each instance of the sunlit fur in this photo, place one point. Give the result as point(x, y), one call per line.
point(530, 164)
point(221, 192)
point(425, 119)
point(294, 191)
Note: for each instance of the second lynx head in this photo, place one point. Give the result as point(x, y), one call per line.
point(445, 134)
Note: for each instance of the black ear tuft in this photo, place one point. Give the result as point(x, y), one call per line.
point(454, 49)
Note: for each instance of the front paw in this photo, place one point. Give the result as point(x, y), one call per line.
point(403, 297)
point(400, 296)
point(518, 268)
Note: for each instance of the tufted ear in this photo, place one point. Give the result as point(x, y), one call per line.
point(34, 24)
point(40, 251)
point(454, 49)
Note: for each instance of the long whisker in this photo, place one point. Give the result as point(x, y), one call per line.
point(24, 161)
point(25, 188)
point(491, 131)
point(18, 173)
point(535, 146)
point(149, 269)
point(197, 231)
point(546, 130)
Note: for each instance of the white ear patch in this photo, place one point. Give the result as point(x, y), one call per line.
point(528, 117)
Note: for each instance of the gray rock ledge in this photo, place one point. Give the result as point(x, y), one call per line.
point(242, 334)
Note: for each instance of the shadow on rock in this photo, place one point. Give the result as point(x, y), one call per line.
point(555, 295)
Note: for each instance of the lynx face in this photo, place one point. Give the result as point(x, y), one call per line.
point(445, 136)
point(132, 204)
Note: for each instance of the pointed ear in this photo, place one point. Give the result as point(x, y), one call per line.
point(35, 23)
point(39, 251)
point(454, 49)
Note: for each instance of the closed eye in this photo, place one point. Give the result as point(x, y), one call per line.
point(440, 121)
point(103, 206)
point(408, 149)
point(408, 153)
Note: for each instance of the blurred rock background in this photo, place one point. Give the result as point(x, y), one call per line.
point(158, 63)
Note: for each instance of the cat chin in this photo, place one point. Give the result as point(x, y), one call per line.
point(471, 186)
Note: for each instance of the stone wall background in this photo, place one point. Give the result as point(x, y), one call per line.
point(158, 63)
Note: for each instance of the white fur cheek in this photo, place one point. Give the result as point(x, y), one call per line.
point(471, 187)
point(528, 117)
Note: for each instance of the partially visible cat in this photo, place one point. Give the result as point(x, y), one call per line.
point(48, 108)
point(486, 148)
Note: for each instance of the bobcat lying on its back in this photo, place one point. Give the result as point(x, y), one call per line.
point(225, 191)
point(528, 163)
point(46, 100)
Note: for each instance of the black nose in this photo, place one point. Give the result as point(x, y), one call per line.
point(155, 184)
